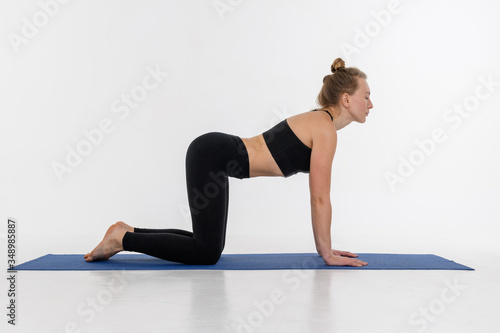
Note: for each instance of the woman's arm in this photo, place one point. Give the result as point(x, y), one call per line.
point(323, 150)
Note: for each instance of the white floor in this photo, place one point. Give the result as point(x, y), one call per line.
point(262, 301)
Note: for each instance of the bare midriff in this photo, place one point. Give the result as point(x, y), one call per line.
point(262, 162)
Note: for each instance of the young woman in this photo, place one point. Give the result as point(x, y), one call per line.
point(302, 143)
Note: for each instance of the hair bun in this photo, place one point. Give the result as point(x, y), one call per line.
point(337, 63)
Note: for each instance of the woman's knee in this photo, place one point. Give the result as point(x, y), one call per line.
point(209, 258)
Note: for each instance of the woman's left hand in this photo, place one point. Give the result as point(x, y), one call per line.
point(344, 253)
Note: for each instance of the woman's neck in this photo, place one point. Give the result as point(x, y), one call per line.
point(341, 118)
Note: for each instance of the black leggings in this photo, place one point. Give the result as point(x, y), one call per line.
point(210, 159)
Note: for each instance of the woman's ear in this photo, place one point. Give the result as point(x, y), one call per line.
point(345, 100)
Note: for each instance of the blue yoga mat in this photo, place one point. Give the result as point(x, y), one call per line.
point(269, 261)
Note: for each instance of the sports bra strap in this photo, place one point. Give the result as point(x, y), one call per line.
point(326, 112)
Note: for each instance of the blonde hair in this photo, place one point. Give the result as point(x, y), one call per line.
point(342, 80)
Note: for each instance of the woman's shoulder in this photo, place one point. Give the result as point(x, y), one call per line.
point(312, 120)
point(312, 125)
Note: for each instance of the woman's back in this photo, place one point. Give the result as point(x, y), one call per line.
point(294, 154)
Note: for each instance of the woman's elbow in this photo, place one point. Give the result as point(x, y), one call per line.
point(318, 201)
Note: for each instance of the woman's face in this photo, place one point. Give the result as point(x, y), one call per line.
point(359, 102)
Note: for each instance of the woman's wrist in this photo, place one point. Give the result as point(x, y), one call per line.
point(325, 253)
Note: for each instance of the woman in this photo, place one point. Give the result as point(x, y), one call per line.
point(302, 143)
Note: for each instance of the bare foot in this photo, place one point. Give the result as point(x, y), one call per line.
point(125, 226)
point(111, 243)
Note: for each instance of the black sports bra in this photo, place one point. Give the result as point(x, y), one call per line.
point(291, 154)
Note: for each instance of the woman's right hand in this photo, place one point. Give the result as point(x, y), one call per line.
point(337, 260)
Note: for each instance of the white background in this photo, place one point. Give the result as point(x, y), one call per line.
point(240, 71)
